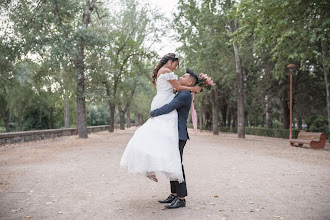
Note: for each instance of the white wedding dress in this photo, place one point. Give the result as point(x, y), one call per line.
point(154, 147)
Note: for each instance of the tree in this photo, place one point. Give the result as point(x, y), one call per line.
point(233, 24)
point(80, 69)
point(287, 32)
point(203, 31)
point(51, 29)
point(132, 30)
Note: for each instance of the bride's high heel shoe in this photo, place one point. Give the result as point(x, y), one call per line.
point(152, 177)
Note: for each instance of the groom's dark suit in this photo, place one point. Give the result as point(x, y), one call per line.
point(182, 103)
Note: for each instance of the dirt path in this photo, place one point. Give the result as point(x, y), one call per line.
point(227, 178)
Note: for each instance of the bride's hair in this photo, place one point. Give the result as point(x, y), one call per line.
point(162, 62)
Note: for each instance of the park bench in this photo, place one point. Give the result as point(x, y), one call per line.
point(314, 139)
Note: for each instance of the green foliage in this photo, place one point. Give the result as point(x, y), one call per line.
point(278, 133)
point(97, 115)
point(320, 124)
point(228, 129)
point(277, 124)
point(38, 44)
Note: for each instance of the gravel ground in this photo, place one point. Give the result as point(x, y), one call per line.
point(227, 178)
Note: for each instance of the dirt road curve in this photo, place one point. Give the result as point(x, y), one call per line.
point(227, 178)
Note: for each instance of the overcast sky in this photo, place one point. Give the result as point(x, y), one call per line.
point(165, 7)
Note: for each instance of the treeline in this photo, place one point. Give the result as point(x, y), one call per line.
point(246, 47)
point(64, 63)
point(89, 62)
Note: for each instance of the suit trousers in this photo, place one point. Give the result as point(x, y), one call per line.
point(176, 187)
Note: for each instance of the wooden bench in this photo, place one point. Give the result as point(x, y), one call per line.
point(314, 139)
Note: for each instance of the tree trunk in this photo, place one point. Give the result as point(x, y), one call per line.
point(141, 119)
point(121, 119)
point(6, 120)
point(67, 114)
point(204, 119)
point(112, 108)
point(224, 113)
point(246, 119)
point(286, 109)
point(240, 89)
point(269, 112)
point(215, 105)
point(20, 115)
point(112, 117)
point(128, 119)
point(81, 108)
point(200, 116)
point(256, 121)
point(229, 116)
point(263, 120)
point(66, 99)
point(79, 67)
point(50, 118)
point(137, 122)
point(325, 56)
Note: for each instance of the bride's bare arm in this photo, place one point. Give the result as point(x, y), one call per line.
point(175, 83)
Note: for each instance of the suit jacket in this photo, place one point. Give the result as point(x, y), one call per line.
point(182, 103)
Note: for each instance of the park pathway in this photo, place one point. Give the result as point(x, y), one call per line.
point(227, 178)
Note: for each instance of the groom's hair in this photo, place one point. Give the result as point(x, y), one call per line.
point(193, 76)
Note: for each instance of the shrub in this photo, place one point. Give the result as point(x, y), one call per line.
point(268, 132)
point(227, 129)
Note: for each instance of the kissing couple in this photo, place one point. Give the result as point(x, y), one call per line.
point(156, 148)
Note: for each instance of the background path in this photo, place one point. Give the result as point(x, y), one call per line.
point(227, 178)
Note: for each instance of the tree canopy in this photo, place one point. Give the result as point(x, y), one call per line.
point(68, 61)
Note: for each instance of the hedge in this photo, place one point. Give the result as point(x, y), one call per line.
point(268, 132)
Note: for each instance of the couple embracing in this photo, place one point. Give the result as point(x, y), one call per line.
point(157, 146)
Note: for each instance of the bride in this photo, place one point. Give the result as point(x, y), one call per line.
point(153, 149)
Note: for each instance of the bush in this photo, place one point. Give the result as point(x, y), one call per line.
point(268, 132)
point(228, 129)
point(190, 125)
point(277, 124)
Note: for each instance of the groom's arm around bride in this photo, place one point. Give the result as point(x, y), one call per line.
point(182, 103)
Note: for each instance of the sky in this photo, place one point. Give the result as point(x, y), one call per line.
point(166, 7)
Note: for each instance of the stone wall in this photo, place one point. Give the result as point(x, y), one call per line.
point(13, 137)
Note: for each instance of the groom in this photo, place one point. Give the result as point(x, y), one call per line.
point(182, 103)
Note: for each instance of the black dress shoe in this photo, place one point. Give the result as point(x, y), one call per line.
point(177, 203)
point(169, 199)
